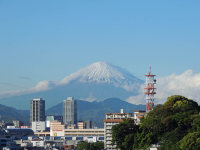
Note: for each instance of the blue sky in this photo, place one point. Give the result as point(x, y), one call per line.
point(48, 40)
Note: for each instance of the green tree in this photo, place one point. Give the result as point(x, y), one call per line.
point(83, 145)
point(191, 141)
point(97, 146)
point(167, 125)
point(90, 146)
point(196, 124)
point(123, 134)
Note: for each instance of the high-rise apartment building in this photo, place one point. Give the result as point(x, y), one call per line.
point(111, 120)
point(70, 112)
point(37, 114)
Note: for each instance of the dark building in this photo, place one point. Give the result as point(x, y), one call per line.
point(37, 114)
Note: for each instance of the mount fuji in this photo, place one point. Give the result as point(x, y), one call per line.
point(97, 82)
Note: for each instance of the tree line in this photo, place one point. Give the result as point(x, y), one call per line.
point(175, 125)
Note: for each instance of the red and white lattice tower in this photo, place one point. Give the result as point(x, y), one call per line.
point(150, 91)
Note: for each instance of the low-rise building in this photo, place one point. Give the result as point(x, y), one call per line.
point(81, 125)
point(17, 123)
point(57, 129)
point(37, 142)
point(18, 132)
point(52, 118)
point(44, 133)
point(84, 125)
point(84, 132)
point(88, 135)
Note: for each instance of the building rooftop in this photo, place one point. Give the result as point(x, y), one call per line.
point(37, 99)
point(118, 113)
point(112, 120)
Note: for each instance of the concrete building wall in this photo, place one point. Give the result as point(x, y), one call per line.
point(84, 132)
point(111, 120)
point(56, 129)
point(37, 114)
point(38, 126)
point(81, 125)
point(69, 111)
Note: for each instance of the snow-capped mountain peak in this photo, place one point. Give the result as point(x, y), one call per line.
point(103, 72)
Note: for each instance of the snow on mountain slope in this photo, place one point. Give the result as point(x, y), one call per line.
point(102, 72)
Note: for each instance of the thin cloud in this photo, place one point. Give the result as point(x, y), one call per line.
point(41, 86)
point(24, 78)
point(186, 84)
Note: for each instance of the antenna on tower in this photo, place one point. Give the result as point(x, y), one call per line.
point(150, 91)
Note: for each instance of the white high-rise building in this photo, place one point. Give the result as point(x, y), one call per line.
point(37, 114)
point(70, 112)
point(111, 120)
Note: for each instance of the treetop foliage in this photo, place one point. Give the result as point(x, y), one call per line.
point(90, 146)
point(170, 125)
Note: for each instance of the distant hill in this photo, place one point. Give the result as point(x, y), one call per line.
point(9, 114)
point(95, 111)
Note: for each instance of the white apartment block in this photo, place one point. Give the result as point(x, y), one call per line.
point(38, 126)
point(111, 120)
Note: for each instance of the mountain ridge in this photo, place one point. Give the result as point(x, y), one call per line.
point(95, 111)
point(96, 82)
point(10, 113)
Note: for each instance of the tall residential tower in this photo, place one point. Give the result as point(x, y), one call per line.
point(37, 114)
point(70, 112)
